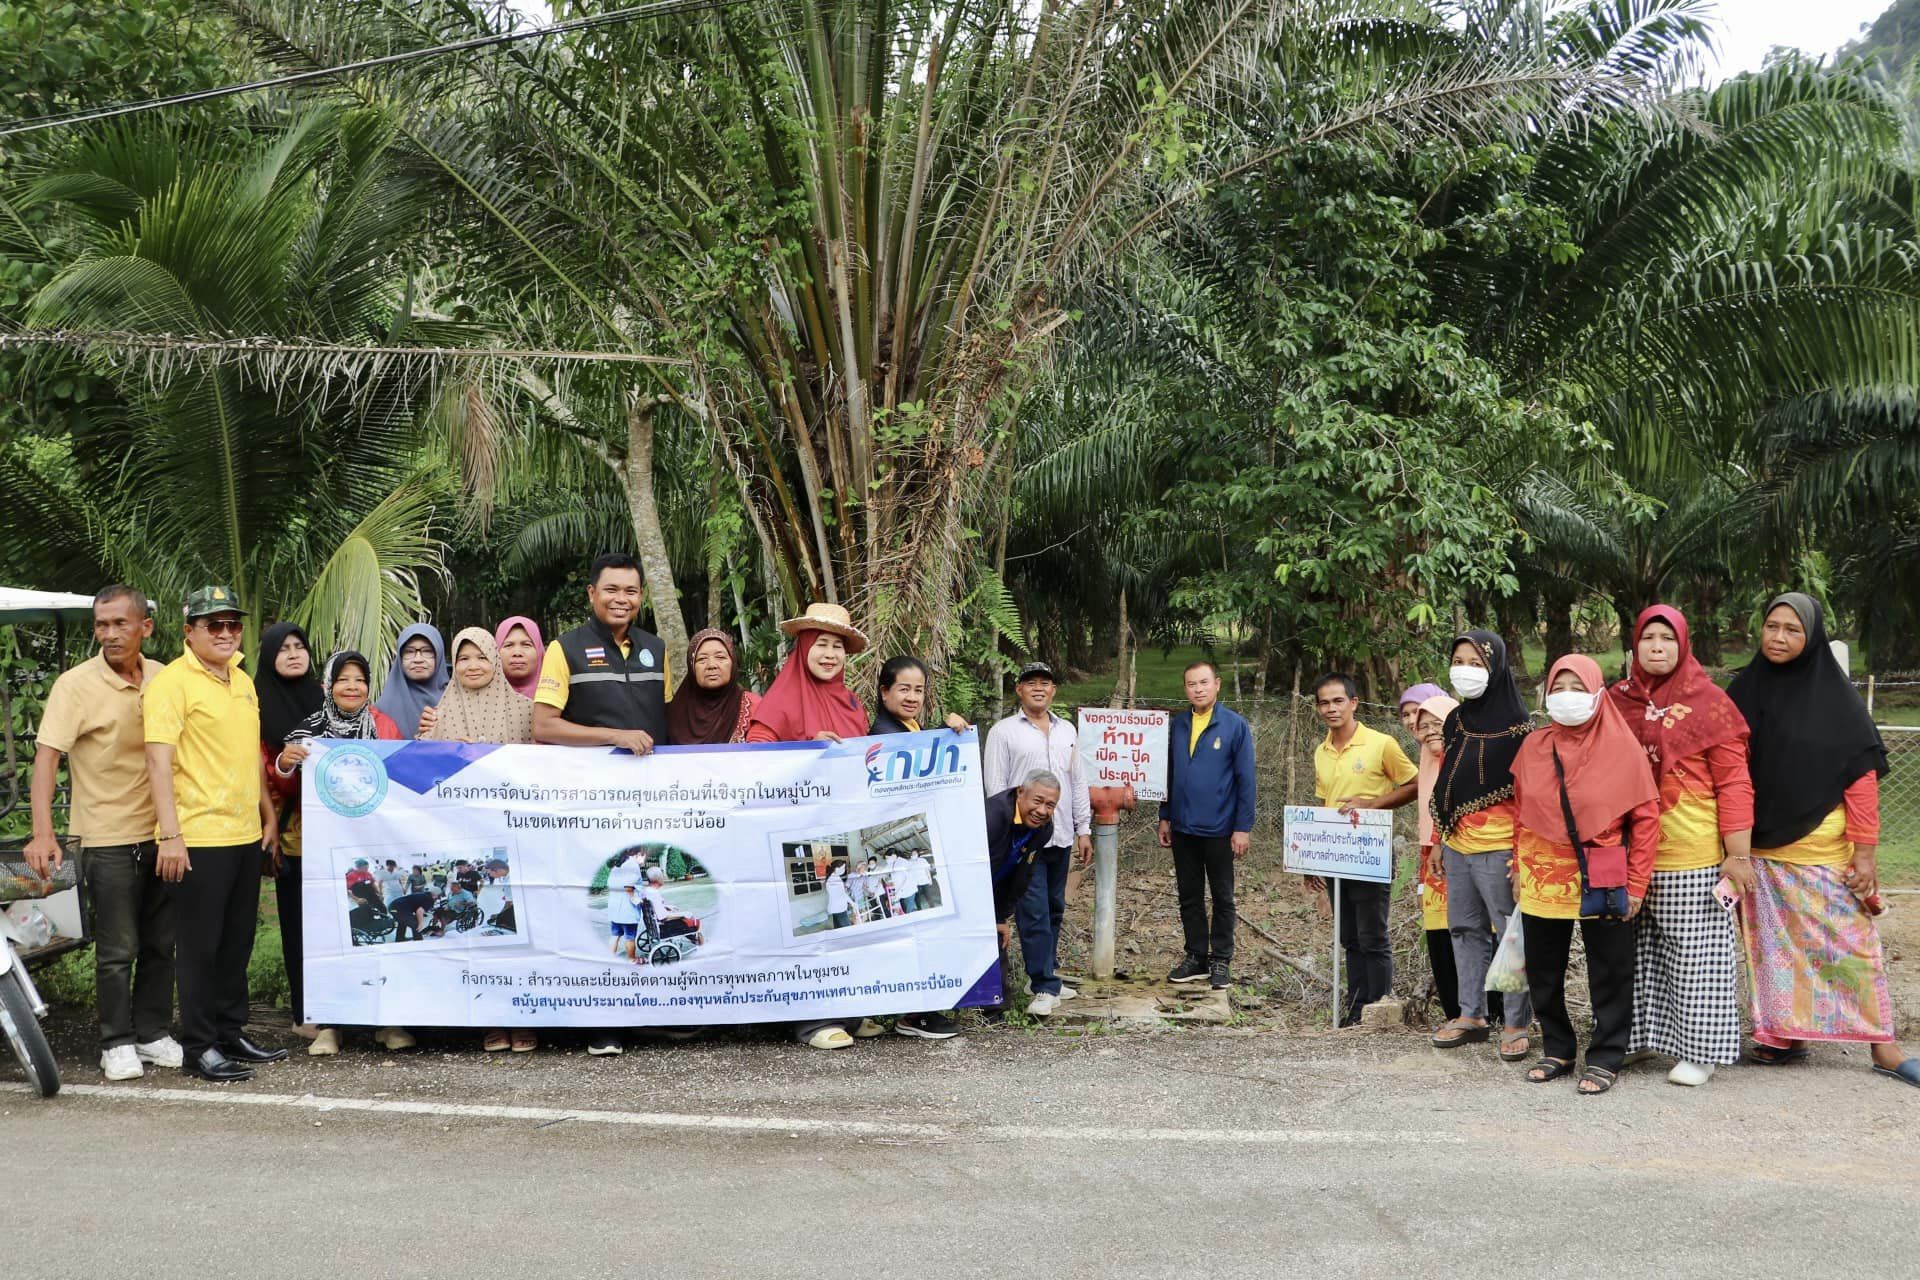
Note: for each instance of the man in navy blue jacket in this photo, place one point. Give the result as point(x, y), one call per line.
point(1207, 821)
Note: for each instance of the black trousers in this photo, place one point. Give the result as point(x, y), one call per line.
point(1368, 950)
point(1609, 945)
point(1202, 864)
point(1446, 978)
point(286, 897)
point(133, 932)
point(217, 907)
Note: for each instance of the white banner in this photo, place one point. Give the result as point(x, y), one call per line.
point(1356, 845)
point(1118, 747)
point(454, 885)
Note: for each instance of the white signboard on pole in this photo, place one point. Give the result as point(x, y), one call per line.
point(1356, 845)
point(1120, 747)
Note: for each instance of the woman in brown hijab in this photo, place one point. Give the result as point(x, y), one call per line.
point(713, 706)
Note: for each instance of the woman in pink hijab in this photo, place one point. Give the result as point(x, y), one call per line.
point(518, 639)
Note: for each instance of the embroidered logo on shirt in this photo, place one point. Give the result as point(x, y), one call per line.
point(646, 657)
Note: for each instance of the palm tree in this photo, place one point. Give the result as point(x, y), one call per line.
point(862, 222)
point(303, 495)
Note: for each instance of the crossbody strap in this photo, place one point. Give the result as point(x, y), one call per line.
point(1566, 811)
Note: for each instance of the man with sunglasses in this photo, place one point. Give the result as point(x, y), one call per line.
point(203, 763)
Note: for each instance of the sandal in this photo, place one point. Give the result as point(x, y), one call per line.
point(525, 1042)
point(1515, 1046)
point(1908, 1072)
point(1469, 1034)
point(1768, 1056)
point(1549, 1069)
point(1598, 1076)
point(495, 1042)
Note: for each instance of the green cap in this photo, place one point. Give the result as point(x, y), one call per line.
point(207, 601)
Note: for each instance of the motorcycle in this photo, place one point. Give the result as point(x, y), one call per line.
point(41, 918)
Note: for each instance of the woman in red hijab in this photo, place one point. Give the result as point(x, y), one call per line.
point(1588, 823)
point(809, 700)
point(1686, 998)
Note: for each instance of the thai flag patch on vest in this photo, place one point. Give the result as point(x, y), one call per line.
point(596, 654)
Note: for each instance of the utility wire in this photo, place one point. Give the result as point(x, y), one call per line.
point(637, 13)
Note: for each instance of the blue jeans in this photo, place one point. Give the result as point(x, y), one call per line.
point(1038, 918)
point(841, 919)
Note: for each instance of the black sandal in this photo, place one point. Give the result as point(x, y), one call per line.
point(1600, 1076)
point(1553, 1068)
point(1768, 1056)
point(1470, 1034)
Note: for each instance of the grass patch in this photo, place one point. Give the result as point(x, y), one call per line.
point(68, 981)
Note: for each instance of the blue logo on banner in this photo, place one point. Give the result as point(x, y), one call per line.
point(920, 762)
point(352, 780)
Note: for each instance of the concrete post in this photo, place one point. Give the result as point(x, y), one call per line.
point(1106, 894)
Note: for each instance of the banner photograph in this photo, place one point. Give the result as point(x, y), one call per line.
point(453, 884)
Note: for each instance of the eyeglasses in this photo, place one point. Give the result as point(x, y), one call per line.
point(223, 626)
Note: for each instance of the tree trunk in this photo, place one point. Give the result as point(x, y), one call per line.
point(1122, 695)
point(1558, 607)
point(636, 473)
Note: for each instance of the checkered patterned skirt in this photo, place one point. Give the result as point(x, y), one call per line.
point(1686, 998)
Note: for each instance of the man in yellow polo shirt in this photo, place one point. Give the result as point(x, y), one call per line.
point(204, 765)
point(1360, 768)
point(93, 719)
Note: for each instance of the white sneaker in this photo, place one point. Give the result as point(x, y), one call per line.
point(1043, 1004)
point(1068, 993)
point(164, 1052)
point(120, 1063)
point(1690, 1074)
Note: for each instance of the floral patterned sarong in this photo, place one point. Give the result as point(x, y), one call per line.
point(1813, 959)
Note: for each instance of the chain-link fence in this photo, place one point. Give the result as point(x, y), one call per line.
point(1900, 804)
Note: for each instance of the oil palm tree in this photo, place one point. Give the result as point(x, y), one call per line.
point(863, 222)
point(304, 495)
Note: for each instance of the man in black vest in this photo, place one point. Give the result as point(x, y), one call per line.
point(605, 685)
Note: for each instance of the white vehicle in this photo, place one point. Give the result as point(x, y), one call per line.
point(40, 919)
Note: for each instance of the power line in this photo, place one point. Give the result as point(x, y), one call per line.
point(637, 13)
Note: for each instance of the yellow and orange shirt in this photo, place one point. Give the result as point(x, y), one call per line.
point(1488, 830)
point(1549, 881)
point(1703, 798)
point(1831, 844)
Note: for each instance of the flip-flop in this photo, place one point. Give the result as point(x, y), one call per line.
point(1473, 1035)
point(1554, 1068)
point(1510, 1054)
point(1597, 1075)
point(1768, 1056)
point(1907, 1072)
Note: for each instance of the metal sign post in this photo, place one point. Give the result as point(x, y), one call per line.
point(1336, 953)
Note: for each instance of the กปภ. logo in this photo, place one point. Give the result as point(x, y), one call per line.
point(915, 766)
point(351, 780)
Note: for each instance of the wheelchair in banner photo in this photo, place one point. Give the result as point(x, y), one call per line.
point(667, 942)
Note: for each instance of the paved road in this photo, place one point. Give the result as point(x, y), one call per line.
point(1140, 1154)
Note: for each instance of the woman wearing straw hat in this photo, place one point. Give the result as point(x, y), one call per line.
point(809, 700)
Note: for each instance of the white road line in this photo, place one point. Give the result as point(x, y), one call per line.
point(771, 1124)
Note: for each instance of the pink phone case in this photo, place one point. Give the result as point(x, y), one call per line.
point(1726, 894)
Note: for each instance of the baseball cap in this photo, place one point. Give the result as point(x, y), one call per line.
point(1035, 671)
point(207, 601)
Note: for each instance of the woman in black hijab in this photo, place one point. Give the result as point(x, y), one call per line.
point(1473, 819)
point(289, 692)
point(1813, 951)
point(285, 683)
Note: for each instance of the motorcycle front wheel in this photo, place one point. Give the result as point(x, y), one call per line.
point(29, 1042)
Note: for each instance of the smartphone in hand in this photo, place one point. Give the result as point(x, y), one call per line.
point(1726, 895)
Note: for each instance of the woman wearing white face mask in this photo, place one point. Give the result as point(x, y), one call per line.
point(1686, 1000)
point(1589, 823)
point(1472, 807)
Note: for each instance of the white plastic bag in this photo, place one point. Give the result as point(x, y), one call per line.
point(1508, 972)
